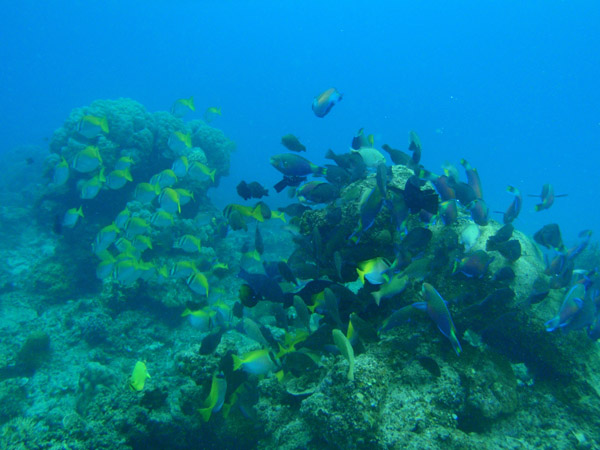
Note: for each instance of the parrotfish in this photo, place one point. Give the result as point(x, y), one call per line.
point(473, 178)
point(479, 212)
point(547, 197)
point(394, 286)
point(362, 140)
point(323, 103)
point(448, 211)
point(571, 305)
point(370, 204)
point(91, 126)
point(293, 165)
point(474, 265)
point(515, 207)
point(436, 307)
point(292, 143)
point(317, 192)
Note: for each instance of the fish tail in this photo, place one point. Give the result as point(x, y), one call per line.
point(377, 297)
point(205, 413)
point(237, 362)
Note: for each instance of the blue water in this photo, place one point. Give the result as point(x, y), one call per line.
point(510, 86)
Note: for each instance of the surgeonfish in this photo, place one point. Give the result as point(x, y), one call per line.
point(138, 377)
point(185, 196)
point(210, 113)
point(183, 269)
point(135, 226)
point(414, 145)
point(198, 283)
point(323, 102)
point(61, 172)
point(182, 105)
point(91, 126)
point(216, 397)
point(202, 319)
point(435, 306)
point(142, 242)
point(162, 219)
point(87, 160)
point(105, 237)
point(123, 163)
point(71, 217)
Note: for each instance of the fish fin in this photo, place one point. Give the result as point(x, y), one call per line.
point(237, 362)
point(205, 413)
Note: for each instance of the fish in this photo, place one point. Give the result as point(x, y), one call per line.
point(257, 362)
point(288, 181)
point(397, 318)
point(251, 190)
point(473, 179)
point(414, 145)
point(138, 377)
point(118, 178)
point(61, 172)
point(201, 319)
point(248, 296)
point(258, 241)
point(373, 270)
point(371, 156)
point(436, 307)
point(396, 285)
point(188, 243)
point(184, 195)
point(198, 283)
point(169, 200)
point(180, 166)
point(369, 206)
point(547, 197)
point(142, 242)
point(252, 330)
point(179, 142)
point(183, 269)
point(317, 192)
point(352, 162)
point(263, 286)
point(331, 305)
point(474, 265)
point(302, 312)
point(323, 102)
point(200, 172)
point(292, 143)
point(135, 226)
point(71, 217)
point(165, 178)
point(448, 211)
point(571, 305)
point(210, 113)
point(362, 140)
point(549, 236)
point(105, 267)
point(146, 192)
point(479, 212)
point(162, 219)
point(210, 343)
point(345, 348)
point(216, 397)
point(105, 237)
point(91, 126)
point(293, 165)
point(87, 160)
point(515, 207)
point(398, 157)
point(90, 188)
point(124, 163)
point(442, 184)
point(286, 272)
point(182, 105)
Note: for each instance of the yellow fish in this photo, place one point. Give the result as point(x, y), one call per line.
point(92, 126)
point(211, 113)
point(61, 172)
point(123, 163)
point(169, 200)
point(87, 160)
point(117, 178)
point(216, 397)
point(138, 376)
point(199, 171)
point(71, 217)
point(179, 142)
point(182, 106)
point(146, 192)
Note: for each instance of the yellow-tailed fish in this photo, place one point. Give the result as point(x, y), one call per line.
point(122, 218)
point(161, 219)
point(162, 274)
point(87, 160)
point(343, 344)
point(146, 192)
point(147, 270)
point(201, 319)
point(198, 283)
point(182, 106)
point(179, 142)
point(169, 200)
point(166, 178)
point(199, 171)
point(135, 226)
point(142, 242)
point(216, 397)
point(126, 271)
point(105, 237)
point(61, 172)
point(323, 102)
point(224, 311)
point(124, 245)
point(246, 211)
point(394, 286)
point(374, 270)
point(180, 166)
point(90, 188)
point(211, 113)
point(91, 126)
point(188, 243)
point(117, 178)
point(257, 362)
point(123, 163)
point(185, 196)
point(105, 267)
point(138, 377)
point(278, 215)
point(183, 269)
point(71, 217)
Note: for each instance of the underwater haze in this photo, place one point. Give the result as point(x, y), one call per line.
point(299, 224)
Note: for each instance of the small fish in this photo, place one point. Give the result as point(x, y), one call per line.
point(142, 242)
point(146, 192)
point(138, 377)
point(448, 211)
point(371, 156)
point(441, 183)
point(210, 343)
point(169, 200)
point(198, 283)
point(185, 196)
point(515, 207)
point(216, 397)
point(182, 106)
point(479, 212)
point(361, 140)
point(373, 270)
point(292, 143)
point(398, 157)
point(211, 113)
point(294, 165)
point(180, 142)
point(61, 172)
point(201, 319)
point(258, 241)
point(415, 146)
point(90, 188)
point(162, 219)
point(317, 192)
point(91, 126)
point(550, 237)
point(257, 362)
point(188, 243)
point(251, 190)
point(87, 160)
point(105, 267)
point(345, 348)
point(165, 178)
point(396, 285)
point(547, 197)
point(571, 305)
point(474, 265)
point(118, 178)
point(135, 226)
point(436, 307)
point(105, 237)
point(180, 166)
point(183, 269)
point(473, 179)
point(71, 217)
point(369, 206)
point(124, 163)
point(200, 172)
point(323, 102)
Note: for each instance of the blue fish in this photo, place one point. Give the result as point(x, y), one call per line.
point(571, 305)
point(323, 103)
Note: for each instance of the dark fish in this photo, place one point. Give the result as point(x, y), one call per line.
point(511, 250)
point(442, 184)
point(549, 236)
point(397, 318)
point(369, 206)
point(417, 199)
point(258, 241)
point(539, 291)
point(473, 179)
point(502, 235)
point(293, 165)
point(448, 211)
point(381, 178)
point(352, 162)
point(515, 207)
point(547, 197)
point(577, 249)
point(247, 296)
point(286, 273)
point(415, 146)
point(430, 365)
point(318, 192)
point(474, 265)
point(290, 181)
point(262, 285)
point(211, 342)
point(264, 209)
point(479, 212)
point(292, 143)
point(398, 157)
point(323, 102)
point(257, 190)
point(364, 329)
point(362, 140)
point(302, 312)
point(331, 305)
point(464, 193)
point(398, 209)
point(295, 209)
point(337, 175)
point(243, 190)
point(504, 274)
